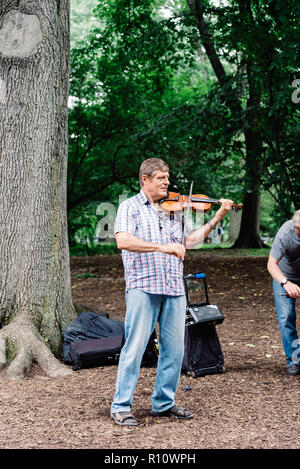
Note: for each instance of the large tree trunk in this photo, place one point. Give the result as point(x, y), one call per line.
point(35, 292)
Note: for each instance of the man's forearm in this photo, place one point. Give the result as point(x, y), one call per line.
point(131, 243)
point(274, 270)
point(292, 288)
point(200, 234)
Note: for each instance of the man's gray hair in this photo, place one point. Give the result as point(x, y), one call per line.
point(296, 218)
point(149, 166)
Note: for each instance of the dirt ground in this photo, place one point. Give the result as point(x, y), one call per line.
point(254, 404)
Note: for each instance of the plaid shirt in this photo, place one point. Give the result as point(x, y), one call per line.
point(152, 272)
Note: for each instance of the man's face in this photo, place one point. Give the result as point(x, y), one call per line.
point(157, 185)
point(297, 230)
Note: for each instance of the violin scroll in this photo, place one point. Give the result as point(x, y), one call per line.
point(237, 207)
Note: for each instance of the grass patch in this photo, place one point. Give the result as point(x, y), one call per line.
point(85, 250)
point(86, 275)
point(227, 250)
point(220, 249)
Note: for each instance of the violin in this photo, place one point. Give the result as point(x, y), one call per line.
point(175, 202)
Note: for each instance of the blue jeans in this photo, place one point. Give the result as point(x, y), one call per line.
point(142, 312)
point(286, 315)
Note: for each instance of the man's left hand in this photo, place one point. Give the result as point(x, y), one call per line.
point(227, 205)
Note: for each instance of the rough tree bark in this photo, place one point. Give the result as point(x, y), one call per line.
point(35, 292)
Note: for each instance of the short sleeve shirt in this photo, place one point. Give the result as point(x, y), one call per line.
point(152, 272)
point(286, 249)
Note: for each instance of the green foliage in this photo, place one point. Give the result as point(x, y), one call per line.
point(125, 80)
point(134, 78)
point(82, 19)
point(142, 86)
point(261, 42)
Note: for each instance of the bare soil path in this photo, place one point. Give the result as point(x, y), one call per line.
point(254, 404)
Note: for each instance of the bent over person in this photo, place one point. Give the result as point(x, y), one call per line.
point(153, 254)
point(284, 267)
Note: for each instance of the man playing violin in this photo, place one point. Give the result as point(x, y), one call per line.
point(153, 252)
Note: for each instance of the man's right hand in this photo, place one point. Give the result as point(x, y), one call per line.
point(292, 289)
point(174, 249)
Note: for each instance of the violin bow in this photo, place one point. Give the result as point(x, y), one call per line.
point(185, 216)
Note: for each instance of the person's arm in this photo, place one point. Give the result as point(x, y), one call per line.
point(292, 289)
point(134, 244)
point(198, 236)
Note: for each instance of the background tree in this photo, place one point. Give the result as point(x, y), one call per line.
point(35, 293)
point(255, 38)
point(206, 86)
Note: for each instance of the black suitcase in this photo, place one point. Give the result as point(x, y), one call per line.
point(95, 352)
point(106, 351)
point(88, 326)
point(202, 350)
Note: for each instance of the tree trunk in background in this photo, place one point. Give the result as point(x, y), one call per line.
point(249, 230)
point(235, 225)
point(35, 291)
point(249, 234)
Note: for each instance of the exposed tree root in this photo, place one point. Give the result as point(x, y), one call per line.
point(28, 347)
